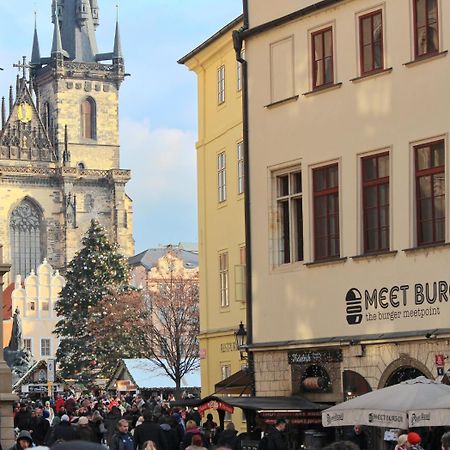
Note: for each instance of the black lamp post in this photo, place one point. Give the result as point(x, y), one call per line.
point(241, 340)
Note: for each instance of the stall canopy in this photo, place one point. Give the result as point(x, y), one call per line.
point(133, 374)
point(238, 383)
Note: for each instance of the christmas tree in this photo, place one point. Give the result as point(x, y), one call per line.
point(96, 271)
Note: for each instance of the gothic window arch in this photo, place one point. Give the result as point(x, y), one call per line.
point(47, 116)
point(89, 118)
point(26, 238)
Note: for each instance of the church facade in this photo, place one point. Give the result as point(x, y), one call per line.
point(59, 146)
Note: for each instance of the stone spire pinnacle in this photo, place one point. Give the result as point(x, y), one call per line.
point(36, 53)
point(117, 43)
point(57, 47)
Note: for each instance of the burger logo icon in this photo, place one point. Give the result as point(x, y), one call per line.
point(353, 301)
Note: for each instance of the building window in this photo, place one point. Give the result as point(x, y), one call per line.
point(426, 27)
point(375, 179)
point(221, 177)
point(371, 42)
point(326, 212)
point(26, 238)
point(45, 305)
point(239, 72)
point(225, 370)
point(88, 118)
point(223, 280)
point(221, 85)
point(27, 344)
point(290, 217)
point(322, 55)
point(430, 192)
point(240, 167)
point(45, 347)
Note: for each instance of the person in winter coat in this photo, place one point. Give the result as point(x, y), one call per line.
point(197, 443)
point(23, 441)
point(414, 441)
point(168, 427)
point(63, 432)
point(22, 419)
point(149, 431)
point(229, 438)
point(358, 437)
point(111, 420)
point(39, 427)
point(122, 439)
point(191, 430)
point(85, 431)
point(78, 445)
point(276, 439)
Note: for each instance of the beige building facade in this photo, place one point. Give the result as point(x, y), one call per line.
point(349, 161)
point(35, 298)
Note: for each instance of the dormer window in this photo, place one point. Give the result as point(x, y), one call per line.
point(88, 118)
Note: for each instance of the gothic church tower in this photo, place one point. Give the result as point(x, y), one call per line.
point(59, 146)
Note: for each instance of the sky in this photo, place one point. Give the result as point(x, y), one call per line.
point(158, 102)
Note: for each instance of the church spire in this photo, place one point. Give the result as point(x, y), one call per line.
point(57, 48)
point(117, 43)
point(36, 52)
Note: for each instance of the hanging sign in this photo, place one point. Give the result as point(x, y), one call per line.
point(213, 404)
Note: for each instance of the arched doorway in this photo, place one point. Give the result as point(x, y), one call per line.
point(403, 374)
point(402, 369)
point(354, 384)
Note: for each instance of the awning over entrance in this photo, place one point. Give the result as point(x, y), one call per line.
point(294, 403)
point(238, 383)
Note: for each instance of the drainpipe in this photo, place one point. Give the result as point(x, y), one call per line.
point(238, 41)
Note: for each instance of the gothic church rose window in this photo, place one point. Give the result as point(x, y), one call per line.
point(26, 238)
point(88, 119)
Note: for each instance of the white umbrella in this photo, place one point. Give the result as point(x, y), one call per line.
point(414, 403)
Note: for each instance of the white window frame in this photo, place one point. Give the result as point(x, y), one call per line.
point(41, 348)
point(291, 197)
point(224, 279)
point(240, 167)
point(222, 176)
point(221, 85)
point(31, 344)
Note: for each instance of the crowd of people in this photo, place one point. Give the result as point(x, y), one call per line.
point(120, 423)
point(133, 423)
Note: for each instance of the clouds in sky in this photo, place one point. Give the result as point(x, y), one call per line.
point(158, 102)
point(163, 184)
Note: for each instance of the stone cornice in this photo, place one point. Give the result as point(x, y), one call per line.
point(116, 175)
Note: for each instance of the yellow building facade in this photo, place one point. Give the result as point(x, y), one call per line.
point(221, 205)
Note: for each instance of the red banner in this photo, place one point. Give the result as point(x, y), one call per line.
point(213, 404)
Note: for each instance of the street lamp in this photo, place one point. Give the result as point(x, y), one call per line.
point(241, 340)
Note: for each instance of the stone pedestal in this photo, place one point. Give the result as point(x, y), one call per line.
point(6, 397)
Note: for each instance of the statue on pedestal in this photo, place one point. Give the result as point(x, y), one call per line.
point(18, 358)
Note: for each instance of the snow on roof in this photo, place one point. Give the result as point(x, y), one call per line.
point(147, 375)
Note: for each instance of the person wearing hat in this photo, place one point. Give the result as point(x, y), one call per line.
point(22, 419)
point(63, 432)
point(414, 441)
point(24, 440)
point(84, 430)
